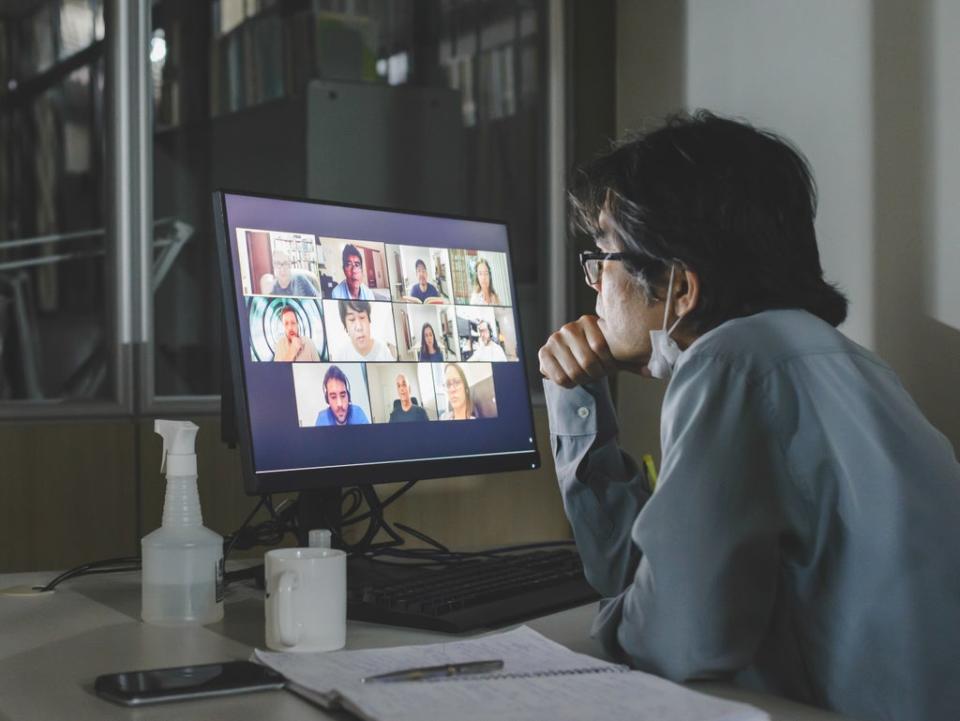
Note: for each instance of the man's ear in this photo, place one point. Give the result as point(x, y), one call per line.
point(687, 292)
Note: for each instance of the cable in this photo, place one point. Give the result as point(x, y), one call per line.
point(356, 500)
point(284, 519)
point(124, 563)
point(422, 537)
point(228, 546)
point(380, 505)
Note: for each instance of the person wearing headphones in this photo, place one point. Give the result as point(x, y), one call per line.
point(340, 411)
point(803, 536)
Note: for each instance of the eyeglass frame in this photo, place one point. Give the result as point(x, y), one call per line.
point(588, 255)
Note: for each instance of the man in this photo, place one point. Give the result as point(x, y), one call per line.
point(487, 349)
point(355, 316)
point(285, 282)
point(422, 289)
point(404, 409)
point(803, 536)
point(340, 410)
point(290, 345)
point(352, 285)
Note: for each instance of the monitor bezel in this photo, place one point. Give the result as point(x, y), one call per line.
point(265, 482)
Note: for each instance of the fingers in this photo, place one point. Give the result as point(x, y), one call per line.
point(595, 339)
point(576, 354)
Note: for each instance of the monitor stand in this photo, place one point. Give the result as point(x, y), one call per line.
point(318, 509)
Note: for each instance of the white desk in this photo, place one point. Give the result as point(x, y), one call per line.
point(53, 647)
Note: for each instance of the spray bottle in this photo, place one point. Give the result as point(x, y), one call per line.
point(182, 560)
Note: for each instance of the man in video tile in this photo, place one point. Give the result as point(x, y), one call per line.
point(352, 284)
point(356, 318)
point(286, 282)
point(488, 349)
point(404, 408)
point(423, 289)
point(291, 346)
point(341, 411)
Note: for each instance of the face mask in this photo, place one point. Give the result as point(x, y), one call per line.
point(664, 349)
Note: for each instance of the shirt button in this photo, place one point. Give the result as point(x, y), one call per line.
point(583, 411)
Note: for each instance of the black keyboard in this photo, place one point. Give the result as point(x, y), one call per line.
point(469, 594)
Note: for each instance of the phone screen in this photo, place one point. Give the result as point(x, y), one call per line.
point(133, 688)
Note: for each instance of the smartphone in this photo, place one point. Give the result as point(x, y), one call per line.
point(160, 685)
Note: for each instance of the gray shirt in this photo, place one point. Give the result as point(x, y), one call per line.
point(804, 535)
point(300, 286)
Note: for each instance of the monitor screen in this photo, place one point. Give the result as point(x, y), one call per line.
point(370, 345)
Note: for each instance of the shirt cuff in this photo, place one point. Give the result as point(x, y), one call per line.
point(585, 410)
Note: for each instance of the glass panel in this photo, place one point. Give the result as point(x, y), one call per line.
point(76, 32)
point(434, 105)
point(55, 326)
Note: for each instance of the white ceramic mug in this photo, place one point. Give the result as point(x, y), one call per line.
point(306, 599)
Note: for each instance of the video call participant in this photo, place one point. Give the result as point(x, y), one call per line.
point(355, 316)
point(285, 281)
point(804, 535)
point(352, 285)
point(429, 348)
point(483, 292)
point(421, 290)
point(404, 409)
point(290, 345)
point(340, 410)
point(487, 349)
point(458, 395)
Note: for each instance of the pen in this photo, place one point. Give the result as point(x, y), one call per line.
point(428, 672)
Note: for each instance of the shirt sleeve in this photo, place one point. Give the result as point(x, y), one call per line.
point(603, 488)
point(704, 589)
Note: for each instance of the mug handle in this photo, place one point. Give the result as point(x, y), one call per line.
point(283, 609)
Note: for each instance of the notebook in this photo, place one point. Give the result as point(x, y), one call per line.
point(540, 679)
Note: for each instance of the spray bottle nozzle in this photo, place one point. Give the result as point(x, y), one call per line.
point(179, 439)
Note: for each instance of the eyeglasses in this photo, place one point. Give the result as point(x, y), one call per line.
point(592, 263)
point(353, 264)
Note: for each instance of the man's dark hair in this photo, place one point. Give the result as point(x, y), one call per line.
point(419, 263)
point(287, 309)
point(733, 203)
point(334, 374)
point(350, 251)
point(357, 306)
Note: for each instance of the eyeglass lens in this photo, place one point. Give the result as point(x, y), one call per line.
point(593, 268)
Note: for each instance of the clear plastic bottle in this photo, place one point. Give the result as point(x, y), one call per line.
point(182, 561)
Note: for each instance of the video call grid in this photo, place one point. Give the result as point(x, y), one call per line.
point(325, 301)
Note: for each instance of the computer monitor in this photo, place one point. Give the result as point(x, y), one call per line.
point(369, 345)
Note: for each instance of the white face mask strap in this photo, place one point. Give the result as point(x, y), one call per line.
point(666, 303)
point(675, 324)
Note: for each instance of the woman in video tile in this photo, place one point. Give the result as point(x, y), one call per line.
point(458, 395)
point(483, 292)
point(429, 349)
